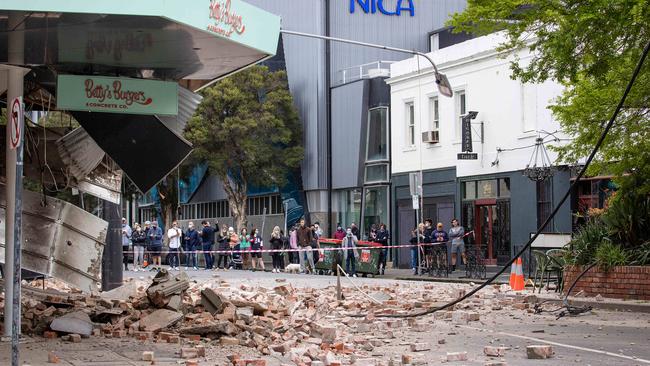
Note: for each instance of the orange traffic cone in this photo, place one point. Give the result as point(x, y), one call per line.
point(513, 274)
point(519, 283)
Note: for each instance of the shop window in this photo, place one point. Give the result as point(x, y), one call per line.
point(410, 124)
point(504, 187)
point(375, 208)
point(377, 141)
point(544, 202)
point(469, 190)
point(347, 206)
point(487, 188)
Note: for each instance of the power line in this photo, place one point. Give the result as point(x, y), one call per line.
point(555, 211)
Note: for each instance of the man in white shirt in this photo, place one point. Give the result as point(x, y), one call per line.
point(174, 234)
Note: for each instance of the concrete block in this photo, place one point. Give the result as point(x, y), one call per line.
point(539, 352)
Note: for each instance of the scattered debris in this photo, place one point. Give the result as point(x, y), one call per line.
point(539, 351)
point(76, 322)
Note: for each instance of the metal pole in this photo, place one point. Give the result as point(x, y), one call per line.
point(364, 44)
point(17, 108)
point(339, 295)
point(16, 46)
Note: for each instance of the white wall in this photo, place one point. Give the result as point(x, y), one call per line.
point(512, 113)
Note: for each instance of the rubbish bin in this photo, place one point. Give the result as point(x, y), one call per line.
point(368, 261)
point(327, 259)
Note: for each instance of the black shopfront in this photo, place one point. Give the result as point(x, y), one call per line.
point(485, 210)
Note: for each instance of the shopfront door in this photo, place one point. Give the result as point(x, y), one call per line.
point(492, 230)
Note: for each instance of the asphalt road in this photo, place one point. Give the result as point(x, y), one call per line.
point(596, 338)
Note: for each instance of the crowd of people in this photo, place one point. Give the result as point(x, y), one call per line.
point(240, 250)
point(429, 241)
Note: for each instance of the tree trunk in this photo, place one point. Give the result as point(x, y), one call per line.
point(237, 200)
point(168, 195)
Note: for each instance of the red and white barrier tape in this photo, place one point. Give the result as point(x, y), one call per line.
point(365, 245)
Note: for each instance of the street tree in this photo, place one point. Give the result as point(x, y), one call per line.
point(248, 131)
point(591, 48)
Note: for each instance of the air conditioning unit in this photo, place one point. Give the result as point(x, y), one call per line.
point(430, 137)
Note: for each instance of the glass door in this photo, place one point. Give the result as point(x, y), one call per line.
point(487, 231)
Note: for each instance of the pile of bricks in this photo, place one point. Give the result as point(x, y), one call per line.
point(304, 326)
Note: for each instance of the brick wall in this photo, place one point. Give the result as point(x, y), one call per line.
point(626, 282)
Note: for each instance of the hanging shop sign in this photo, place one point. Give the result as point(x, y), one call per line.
point(383, 6)
point(466, 134)
point(225, 21)
point(467, 156)
point(116, 95)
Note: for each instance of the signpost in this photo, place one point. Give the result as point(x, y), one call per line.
point(16, 143)
point(116, 95)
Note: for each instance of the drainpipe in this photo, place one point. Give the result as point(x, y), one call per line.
point(328, 118)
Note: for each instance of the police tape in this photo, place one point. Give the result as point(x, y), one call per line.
point(365, 245)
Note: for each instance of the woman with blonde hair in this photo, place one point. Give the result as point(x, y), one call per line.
point(276, 245)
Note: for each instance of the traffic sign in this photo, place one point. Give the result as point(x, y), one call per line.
point(468, 156)
point(16, 122)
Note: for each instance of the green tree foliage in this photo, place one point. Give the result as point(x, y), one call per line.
point(592, 48)
point(248, 131)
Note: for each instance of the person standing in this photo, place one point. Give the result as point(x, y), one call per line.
point(155, 235)
point(138, 238)
point(350, 253)
point(440, 237)
point(192, 245)
point(147, 245)
point(355, 229)
point(382, 237)
point(126, 242)
point(207, 240)
point(257, 245)
point(305, 237)
point(315, 245)
point(245, 247)
point(174, 234)
point(293, 246)
point(276, 246)
point(457, 234)
point(339, 234)
point(223, 241)
point(417, 238)
point(234, 245)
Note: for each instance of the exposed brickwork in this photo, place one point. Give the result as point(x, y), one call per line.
point(627, 282)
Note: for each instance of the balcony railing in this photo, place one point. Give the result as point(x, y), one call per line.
point(365, 71)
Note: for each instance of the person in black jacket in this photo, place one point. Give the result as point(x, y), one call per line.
point(139, 238)
point(223, 241)
point(382, 237)
point(207, 240)
point(192, 245)
point(276, 245)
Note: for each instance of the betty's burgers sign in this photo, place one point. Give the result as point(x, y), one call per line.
point(116, 95)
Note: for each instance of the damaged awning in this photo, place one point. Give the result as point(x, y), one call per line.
point(59, 240)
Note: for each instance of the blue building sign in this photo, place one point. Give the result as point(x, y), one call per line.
point(371, 6)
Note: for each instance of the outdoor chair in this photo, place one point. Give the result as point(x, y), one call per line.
point(556, 265)
point(541, 267)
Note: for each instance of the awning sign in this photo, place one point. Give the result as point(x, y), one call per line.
point(116, 95)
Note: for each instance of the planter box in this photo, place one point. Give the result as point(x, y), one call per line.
point(625, 282)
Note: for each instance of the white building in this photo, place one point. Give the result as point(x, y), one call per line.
point(489, 195)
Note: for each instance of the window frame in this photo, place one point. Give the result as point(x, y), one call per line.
point(410, 124)
point(459, 94)
point(387, 126)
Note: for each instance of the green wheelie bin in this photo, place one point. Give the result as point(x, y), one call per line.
point(327, 259)
point(368, 260)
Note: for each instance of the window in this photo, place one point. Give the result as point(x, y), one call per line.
point(434, 44)
point(487, 188)
point(377, 141)
point(434, 110)
point(544, 202)
point(469, 191)
point(410, 124)
point(375, 207)
point(347, 206)
point(504, 187)
point(377, 173)
point(461, 109)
